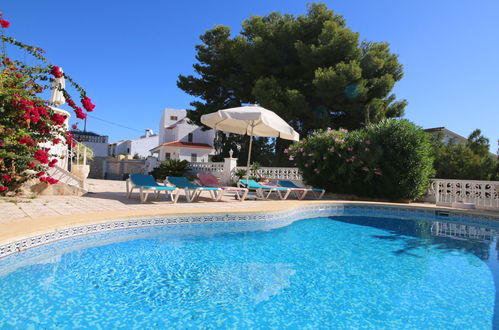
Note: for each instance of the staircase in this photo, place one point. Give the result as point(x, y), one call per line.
point(66, 177)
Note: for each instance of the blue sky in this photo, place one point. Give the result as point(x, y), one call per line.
point(128, 54)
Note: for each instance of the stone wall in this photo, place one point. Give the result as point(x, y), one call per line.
point(115, 169)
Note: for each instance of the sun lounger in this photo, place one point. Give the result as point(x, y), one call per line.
point(290, 184)
point(146, 184)
point(193, 191)
point(261, 189)
point(209, 180)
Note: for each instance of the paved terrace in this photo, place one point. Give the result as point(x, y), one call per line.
point(25, 217)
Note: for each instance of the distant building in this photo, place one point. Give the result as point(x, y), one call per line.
point(182, 140)
point(140, 146)
point(447, 135)
point(98, 143)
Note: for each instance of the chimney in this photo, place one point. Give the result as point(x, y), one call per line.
point(149, 132)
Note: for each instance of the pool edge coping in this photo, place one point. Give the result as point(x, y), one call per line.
point(50, 229)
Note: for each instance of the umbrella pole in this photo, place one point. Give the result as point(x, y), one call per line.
point(249, 155)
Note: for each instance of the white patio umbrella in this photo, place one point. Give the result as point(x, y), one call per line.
point(57, 98)
point(251, 120)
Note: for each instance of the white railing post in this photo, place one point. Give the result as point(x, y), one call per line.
point(229, 165)
point(84, 156)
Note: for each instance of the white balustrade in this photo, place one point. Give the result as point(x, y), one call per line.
point(207, 167)
point(483, 194)
point(275, 173)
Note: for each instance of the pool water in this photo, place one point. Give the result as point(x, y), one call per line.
point(336, 272)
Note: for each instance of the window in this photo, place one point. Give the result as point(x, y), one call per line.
point(127, 150)
point(168, 155)
point(194, 157)
point(189, 137)
point(173, 118)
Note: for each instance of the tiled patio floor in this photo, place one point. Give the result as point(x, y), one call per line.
point(104, 196)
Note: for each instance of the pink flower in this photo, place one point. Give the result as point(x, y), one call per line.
point(2, 188)
point(366, 149)
point(365, 169)
point(291, 158)
point(368, 142)
point(6, 178)
point(350, 149)
point(286, 151)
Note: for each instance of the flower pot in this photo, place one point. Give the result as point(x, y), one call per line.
point(80, 171)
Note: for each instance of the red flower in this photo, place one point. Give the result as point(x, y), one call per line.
point(39, 174)
point(56, 71)
point(26, 140)
point(80, 114)
point(74, 126)
point(58, 119)
point(4, 23)
point(2, 188)
point(51, 180)
point(43, 179)
point(56, 141)
point(87, 104)
point(53, 162)
point(31, 165)
point(42, 156)
point(71, 103)
point(6, 178)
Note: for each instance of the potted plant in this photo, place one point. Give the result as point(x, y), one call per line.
point(78, 167)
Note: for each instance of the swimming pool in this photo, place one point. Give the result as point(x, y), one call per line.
point(352, 268)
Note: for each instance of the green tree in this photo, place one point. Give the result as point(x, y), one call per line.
point(311, 69)
point(467, 161)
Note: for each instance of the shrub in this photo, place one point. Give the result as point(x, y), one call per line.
point(390, 159)
point(170, 167)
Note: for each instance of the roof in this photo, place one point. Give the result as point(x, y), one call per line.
point(445, 131)
point(178, 144)
point(84, 133)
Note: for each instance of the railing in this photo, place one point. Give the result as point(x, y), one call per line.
point(64, 176)
point(207, 167)
point(275, 173)
point(483, 194)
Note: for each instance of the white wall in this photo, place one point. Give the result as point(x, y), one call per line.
point(165, 135)
point(143, 145)
point(184, 153)
point(182, 129)
point(99, 149)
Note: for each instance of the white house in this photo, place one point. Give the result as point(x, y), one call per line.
point(447, 135)
point(182, 140)
point(140, 146)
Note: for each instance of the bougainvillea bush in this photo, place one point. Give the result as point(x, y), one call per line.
point(390, 160)
point(27, 121)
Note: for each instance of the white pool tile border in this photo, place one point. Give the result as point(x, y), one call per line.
point(265, 220)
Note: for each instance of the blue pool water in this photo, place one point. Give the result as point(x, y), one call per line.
point(337, 272)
